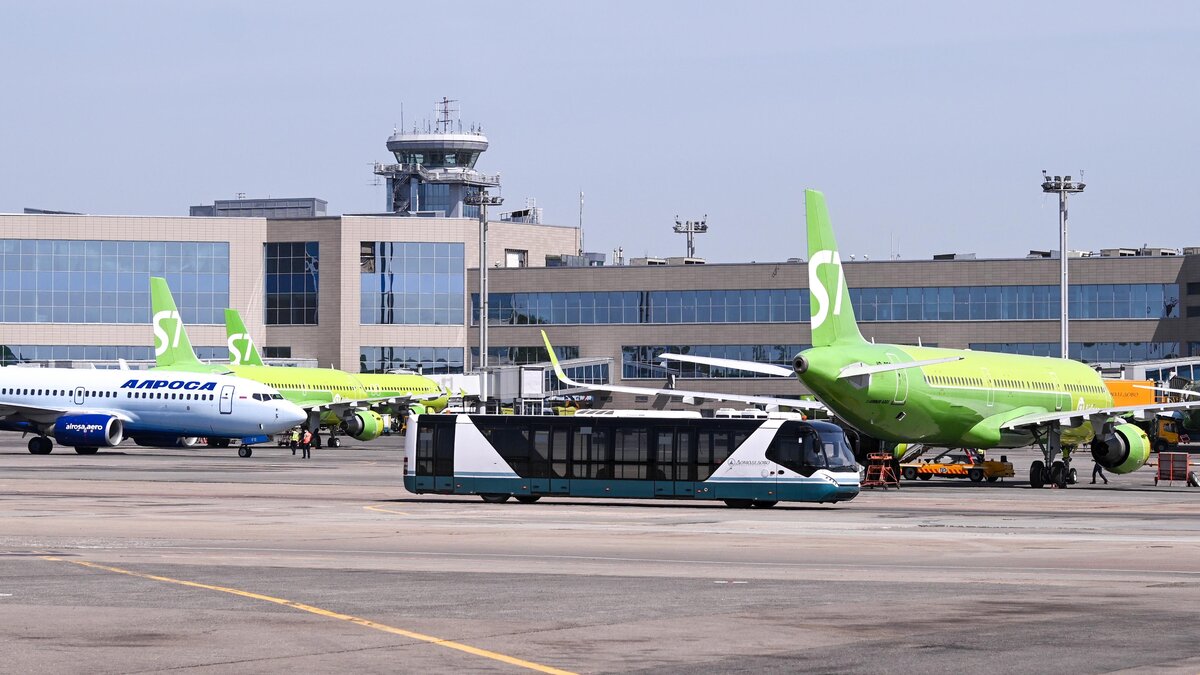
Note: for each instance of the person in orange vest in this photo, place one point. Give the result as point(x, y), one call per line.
point(306, 443)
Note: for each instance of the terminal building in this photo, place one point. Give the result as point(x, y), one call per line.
point(399, 289)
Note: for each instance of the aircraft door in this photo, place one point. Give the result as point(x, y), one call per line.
point(78, 395)
point(991, 390)
point(901, 394)
point(1061, 397)
point(226, 399)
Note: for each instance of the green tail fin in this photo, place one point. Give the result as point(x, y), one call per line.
point(829, 298)
point(242, 350)
point(171, 344)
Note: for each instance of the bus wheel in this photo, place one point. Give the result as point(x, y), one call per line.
point(764, 503)
point(494, 498)
point(738, 503)
point(528, 499)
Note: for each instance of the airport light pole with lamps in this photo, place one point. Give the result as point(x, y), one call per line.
point(481, 199)
point(1063, 185)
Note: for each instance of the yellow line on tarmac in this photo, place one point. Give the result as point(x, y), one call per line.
point(495, 656)
point(381, 509)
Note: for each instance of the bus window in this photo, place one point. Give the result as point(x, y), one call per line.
point(683, 455)
point(539, 458)
point(630, 452)
point(443, 450)
point(424, 450)
point(589, 457)
point(558, 453)
point(664, 458)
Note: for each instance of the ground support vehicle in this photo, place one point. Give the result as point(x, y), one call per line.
point(960, 463)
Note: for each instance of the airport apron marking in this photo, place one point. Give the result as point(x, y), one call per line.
point(380, 509)
point(495, 656)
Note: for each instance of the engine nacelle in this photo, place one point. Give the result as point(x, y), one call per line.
point(89, 431)
point(1123, 449)
point(363, 425)
point(162, 441)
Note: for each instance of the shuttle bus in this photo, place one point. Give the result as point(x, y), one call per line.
point(631, 454)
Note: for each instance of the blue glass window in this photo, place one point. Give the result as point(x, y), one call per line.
point(426, 360)
point(1088, 352)
point(291, 282)
point(412, 283)
point(14, 354)
point(91, 281)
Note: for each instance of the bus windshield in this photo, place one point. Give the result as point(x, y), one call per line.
point(804, 450)
point(836, 452)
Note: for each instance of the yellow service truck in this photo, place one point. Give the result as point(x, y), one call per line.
point(960, 463)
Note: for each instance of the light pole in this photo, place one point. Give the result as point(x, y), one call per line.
point(691, 228)
point(481, 199)
point(1063, 185)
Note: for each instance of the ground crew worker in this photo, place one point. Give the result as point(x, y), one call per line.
point(295, 440)
point(1098, 470)
point(306, 443)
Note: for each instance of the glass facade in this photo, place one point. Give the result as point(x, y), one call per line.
point(1007, 303)
point(1088, 352)
point(520, 356)
point(14, 354)
point(291, 282)
point(426, 360)
point(934, 303)
point(93, 281)
point(412, 283)
point(642, 362)
point(594, 373)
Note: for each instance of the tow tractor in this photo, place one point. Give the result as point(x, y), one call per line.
point(960, 463)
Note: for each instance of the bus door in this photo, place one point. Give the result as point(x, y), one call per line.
point(443, 458)
point(673, 472)
point(538, 477)
point(685, 462)
point(226, 399)
point(560, 480)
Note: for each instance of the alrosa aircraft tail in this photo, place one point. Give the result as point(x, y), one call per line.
point(172, 347)
point(242, 350)
point(829, 299)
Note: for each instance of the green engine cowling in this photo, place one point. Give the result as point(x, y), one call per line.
point(363, 425)
point(1123, 449)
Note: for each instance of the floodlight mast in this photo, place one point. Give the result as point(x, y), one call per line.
point(1063, 185)
point(691, 228)
point(481, 199)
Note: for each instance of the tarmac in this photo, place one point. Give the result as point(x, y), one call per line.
point(149, 560)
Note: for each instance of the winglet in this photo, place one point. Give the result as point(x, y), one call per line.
point(242, 350)
point(558, 371)
point(171, 344)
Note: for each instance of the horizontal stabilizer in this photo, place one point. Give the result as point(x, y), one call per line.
point(859, 369)
point(734, 364)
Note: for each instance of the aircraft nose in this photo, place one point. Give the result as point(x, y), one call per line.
point(291, 413)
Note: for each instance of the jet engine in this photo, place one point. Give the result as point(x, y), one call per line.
point(1123, 449)
point(89, 431)
point(363, 425)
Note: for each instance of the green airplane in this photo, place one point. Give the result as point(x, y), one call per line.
point(951, 398)
point(334, 399)
point(417, 394)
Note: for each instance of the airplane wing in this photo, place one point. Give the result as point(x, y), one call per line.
point(734, 364)
point(344, 405)
point(47, 414)
point(1076, 417)
point(690, 397)
point(858, 369)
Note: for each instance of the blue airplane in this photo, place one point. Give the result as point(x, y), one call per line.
point(91, 409)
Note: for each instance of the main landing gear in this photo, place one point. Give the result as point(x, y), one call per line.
point(1054, 472)
point(40, 445)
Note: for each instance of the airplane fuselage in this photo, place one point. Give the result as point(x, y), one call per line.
point(955, 404)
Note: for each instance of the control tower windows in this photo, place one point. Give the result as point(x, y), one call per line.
point(439, 160)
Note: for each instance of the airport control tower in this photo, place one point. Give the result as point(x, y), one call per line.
point(436, 167)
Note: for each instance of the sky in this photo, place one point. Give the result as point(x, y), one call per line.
point(926, 124)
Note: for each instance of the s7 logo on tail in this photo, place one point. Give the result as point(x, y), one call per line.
point(162, 341)
point(240, 356)
point(818, 289)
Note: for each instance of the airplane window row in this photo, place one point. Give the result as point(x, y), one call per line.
point(1004, 383)
point(169, 395)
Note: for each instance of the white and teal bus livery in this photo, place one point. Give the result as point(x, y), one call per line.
point(631, 454)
